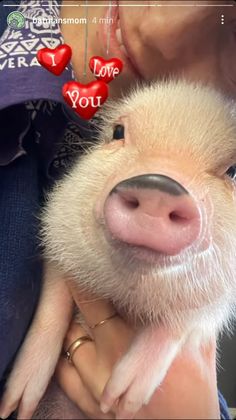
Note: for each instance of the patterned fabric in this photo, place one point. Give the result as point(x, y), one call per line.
point(31, 96)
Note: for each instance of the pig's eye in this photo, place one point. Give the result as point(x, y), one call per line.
point(232, 172)
point(118, 132)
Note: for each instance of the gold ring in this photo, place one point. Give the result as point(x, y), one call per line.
point(103, 321)
point(68, 354)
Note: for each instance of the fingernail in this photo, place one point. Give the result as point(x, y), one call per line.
point(104, 408)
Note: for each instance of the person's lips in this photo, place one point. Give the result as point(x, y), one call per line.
point(118, 45)
point(122, 40)
point(119, 39)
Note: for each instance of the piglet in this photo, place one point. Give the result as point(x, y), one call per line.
point(146, 219)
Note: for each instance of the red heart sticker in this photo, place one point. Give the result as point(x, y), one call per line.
point(85, 100)
point(105, 70)
point(55, 59)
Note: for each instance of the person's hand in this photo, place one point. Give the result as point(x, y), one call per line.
point(101, 355)
point(187, 391)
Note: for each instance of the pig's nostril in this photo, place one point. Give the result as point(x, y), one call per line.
point(177, 218)
point(130, 202)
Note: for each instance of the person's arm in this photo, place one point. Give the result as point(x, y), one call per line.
point(184, 393)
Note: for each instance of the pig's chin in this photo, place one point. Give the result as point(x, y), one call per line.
point(149, 286)
point(148, 258)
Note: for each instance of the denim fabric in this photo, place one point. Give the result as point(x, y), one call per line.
point(20, 266)
point(224, 411)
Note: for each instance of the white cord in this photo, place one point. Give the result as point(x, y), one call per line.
point(51, 18)
point(86, 39)
point(109, 27)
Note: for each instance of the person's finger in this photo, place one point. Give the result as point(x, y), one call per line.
point(93, 374)
point(86, 352)
point(85, 362)
point(76, 391)
point(74, 332)
point(92, 308)
point(107, 335)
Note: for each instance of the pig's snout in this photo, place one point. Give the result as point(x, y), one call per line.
point(152, 211)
